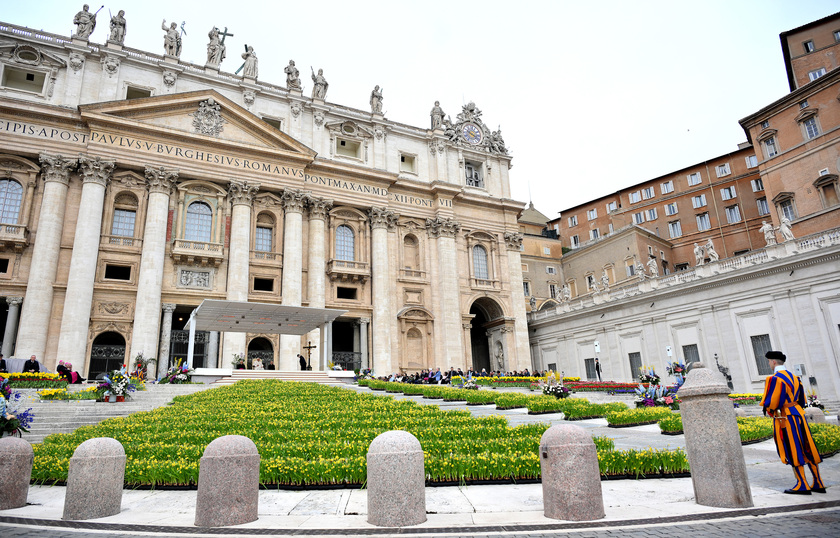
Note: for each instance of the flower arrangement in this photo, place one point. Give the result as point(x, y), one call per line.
point(14, 420)
point(653, 396)
point(141, 365)
point(675, 368)
point(470, 384)
point(117, 383)
point(238, 360)
point(647, 374)
point(364, 374)
point(813, 401)
point(178, 374)
point(558, 391)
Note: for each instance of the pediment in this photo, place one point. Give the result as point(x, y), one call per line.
point(205, 116)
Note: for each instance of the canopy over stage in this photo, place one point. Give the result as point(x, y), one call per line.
point(245, 317)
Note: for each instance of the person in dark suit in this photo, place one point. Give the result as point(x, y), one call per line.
point(31, 365)
point(598, 368)
point(270, 365)
point(302, 362)
point(3, 369)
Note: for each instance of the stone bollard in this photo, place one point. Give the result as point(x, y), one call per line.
point(713, 444)
point(396, 480)
point(95, 480)
point(228, 482)
point(814, 415)
point(571, 480)
point(16, 457)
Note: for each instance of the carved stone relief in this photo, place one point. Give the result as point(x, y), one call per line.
point(114, 308)
point(208, 118)
point(194, 279)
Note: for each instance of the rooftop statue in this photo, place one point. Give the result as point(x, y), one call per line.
point(710, 251)
point(118, 28)
point(250, 67)
point(437, 115)
point(216, 49)
point(376, 100)
point(172, 39)
point(319, 91)
point(85, 22)
point(292, 76)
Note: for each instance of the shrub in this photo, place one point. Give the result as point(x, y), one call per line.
point(642, 415)
point(483, 397)
point(511, 401)
point(544, 404)
point(826, 437)
point(579, 408)
point(671, 423)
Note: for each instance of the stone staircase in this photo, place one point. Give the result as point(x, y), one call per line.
point(65, 416)
point(304, 377)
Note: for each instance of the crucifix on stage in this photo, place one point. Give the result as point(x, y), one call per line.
point(309, 349)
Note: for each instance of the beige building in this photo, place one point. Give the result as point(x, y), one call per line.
point(134, 185)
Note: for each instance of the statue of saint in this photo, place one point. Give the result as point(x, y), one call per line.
point(533, 303)
point(250, 68)
point(437, 115)
point(640, 270)
point(172, 39)
point(710, 251)
point(118, 28)
point(292, 76)
point(497, 142)
point(567, 292)
point(769, 233)
point(605, 280)
point(699, 255)
point(216, 49)
point(376, 100)
point(85, 22)
point(319, 90)
point(784, 228)
point(653, 268)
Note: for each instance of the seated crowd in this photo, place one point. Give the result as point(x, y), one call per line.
point(435, 376)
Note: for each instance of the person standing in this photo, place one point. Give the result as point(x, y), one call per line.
point(783, 400)
point(598, 369)
point(302, 362)
point(3, 368)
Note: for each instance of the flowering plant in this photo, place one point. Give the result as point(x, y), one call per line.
point(180, 373)
point(648, 375)
point(813, 401)
point(675, 368)
point(654, 396)
point(469, 384)
point(116, 384)
point(558, 391)
point(14, 420)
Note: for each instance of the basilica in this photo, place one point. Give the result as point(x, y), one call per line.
point(134, 185)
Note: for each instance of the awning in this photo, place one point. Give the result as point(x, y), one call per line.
point(245, 317)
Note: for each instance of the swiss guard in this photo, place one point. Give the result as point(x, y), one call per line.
point(783, 400)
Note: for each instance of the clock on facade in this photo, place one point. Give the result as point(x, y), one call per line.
point(471, 133)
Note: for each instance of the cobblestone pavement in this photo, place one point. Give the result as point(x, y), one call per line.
point(818, 523)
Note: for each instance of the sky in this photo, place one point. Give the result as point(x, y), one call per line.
point(590, 96)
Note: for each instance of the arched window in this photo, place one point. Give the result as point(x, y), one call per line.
point(11, 196)
point(480, 262)
point(345, 243)
point(199, 222)
point(263, 238)
point(125, 215)
point(411, 252)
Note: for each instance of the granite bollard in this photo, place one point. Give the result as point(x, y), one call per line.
point(814, 415)
point(228, 482)
point(16, 457)
point(571, 479)
point(95, 480)
point(396, 480)
point(713, 444)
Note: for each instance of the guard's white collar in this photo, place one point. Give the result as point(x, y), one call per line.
point(779, 368)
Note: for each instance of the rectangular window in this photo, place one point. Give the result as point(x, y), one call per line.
point(552, 291)
point(345, 293)
point(572, 221)
point(675, 229)
point(612, 206)
point(787, 209)
point(635, 197)
point(524, 267)
point(594, 234)
point(472, 173)
point(770, 148)
point(263, 284)
point(526, 287)
point(610, 227)
point(23, 79)
point(690, 353)
point(803, 104)
point(547, 251)
point(837, 36)
point(589, 365)
point(667, 187)
point(575, 240)
point(765, 124)
point(550, 270)
point(123, 223)
point(703, 222)
point(639, 217)
point(262, 239)
point(407, 163)
point(635, 365)
point(590, 282)
point(348, 148)
point(816, 73)
point(757, 185)
point(631, 269)
point(811, 129)
point(4, 265)
point(752, 161)
point(728, 193)
point(808, 46)
point(694, 179)
point(761, 345)
point(722, 170)
point(763, 209)
point(651, 214)
point(592, 214)
point(671, 209)
point(733, 214)
point(133, 92)
point(277, 124)
point(698, 201)
point(647, 193)
point(117, 272)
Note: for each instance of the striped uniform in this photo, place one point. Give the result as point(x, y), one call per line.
point(784, 399)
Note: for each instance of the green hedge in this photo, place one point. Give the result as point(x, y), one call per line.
point(640, 415)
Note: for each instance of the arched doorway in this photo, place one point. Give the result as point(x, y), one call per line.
point(484, 311)
point(260, 348)
point(107, 353)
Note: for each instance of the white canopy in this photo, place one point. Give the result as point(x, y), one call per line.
point(245, 317)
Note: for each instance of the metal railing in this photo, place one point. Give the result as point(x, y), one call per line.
point(349, 360)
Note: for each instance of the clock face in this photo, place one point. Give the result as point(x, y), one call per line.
point(471, 133)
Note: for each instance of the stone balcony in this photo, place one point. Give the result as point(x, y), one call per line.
point(13, 237)
point(198, 253)
point(413, 275)
point(348, 271)
point(121, 243)
point(484, 283)
point(269, 259)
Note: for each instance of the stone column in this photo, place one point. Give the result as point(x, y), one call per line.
point(11, 325)
point(521, 358)
point(75, 321)
point(165, 336)
point(383, 315)
point(35, 317)
point(363, 341)
point(449, 328)
point(144, 338)
point(241, 195)
point(293, 202)
point(213, 351)
point(317, 265)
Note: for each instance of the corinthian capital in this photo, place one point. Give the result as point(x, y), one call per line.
point(95, 169)
point(318, 208)
point(294, 200)
point(242, 192)
point(161, 179)
point(443, 227)
point(513, 240)
point(381, 217)
point(56, 168)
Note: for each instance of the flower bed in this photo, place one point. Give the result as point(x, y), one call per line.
point(636, 417)
point(581, 409)
point(309, 434)
point(524, 382)
point(89, 393)
point(751, 429)
point(671, 424)
point(41, 380)
point(511, 401)
point(545, 404)
point(481, 397)
point(602, 386)
point(746, 399)
point(827, 438)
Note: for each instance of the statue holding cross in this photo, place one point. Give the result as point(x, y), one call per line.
point(216, 49)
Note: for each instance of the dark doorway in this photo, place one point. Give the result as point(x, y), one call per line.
point(478, 340)
point(179, 341)
point(343, 344)
point(4, 318)
point(260, 348)
point(107, 353)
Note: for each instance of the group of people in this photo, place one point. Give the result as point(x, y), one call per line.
point(436, 376)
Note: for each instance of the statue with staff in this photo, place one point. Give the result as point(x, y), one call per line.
point(172, 39)
point(216, 49)
point(319, 90)
point(117, 27)
point(85, 22)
